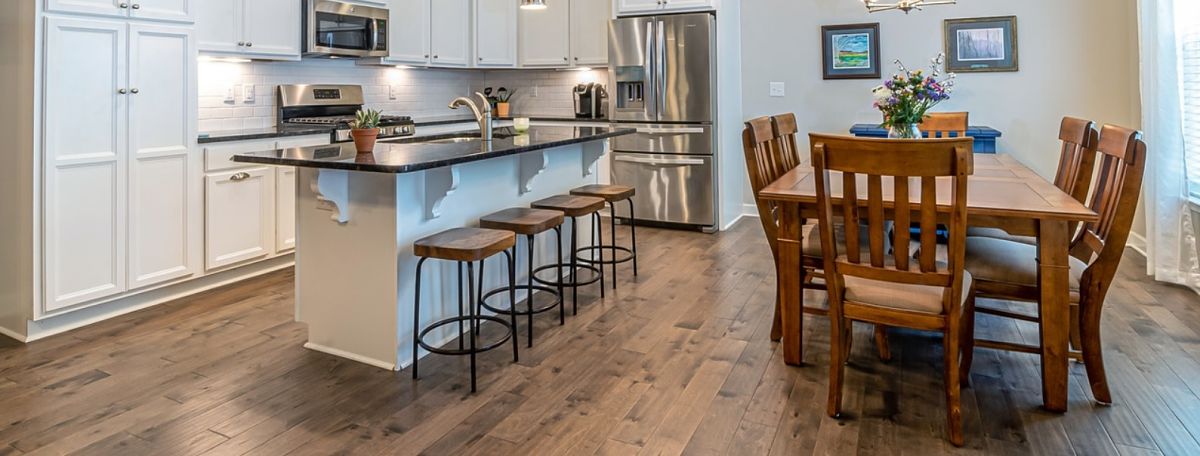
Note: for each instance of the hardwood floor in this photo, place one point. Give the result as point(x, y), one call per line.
point(675, 361)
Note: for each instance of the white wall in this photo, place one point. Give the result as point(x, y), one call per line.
point(16, 176)
point(1077, 58)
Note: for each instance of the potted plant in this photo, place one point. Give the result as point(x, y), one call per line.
point(365, 130)
point(502, 97)
point(908, 96)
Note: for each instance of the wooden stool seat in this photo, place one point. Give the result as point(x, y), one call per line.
point(610, 193)
point(522, 220)
point(571, 205)
point(464, 244)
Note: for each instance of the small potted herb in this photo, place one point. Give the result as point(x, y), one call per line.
point(365, 130)
point(502, 97)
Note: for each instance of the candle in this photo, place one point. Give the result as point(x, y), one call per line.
point(521, 124)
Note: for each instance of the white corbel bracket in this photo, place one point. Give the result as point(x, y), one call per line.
point(532, 164)
point(332, 188)
point(592, 151)
point(440, 183)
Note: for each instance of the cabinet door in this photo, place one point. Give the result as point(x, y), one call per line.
point(163, 193)
point(285, 208)
point(85, 173)
point(638, 6)
point(496, 33)
point(688, 5)
point(239, 220)
point(545, 35)
point(589, 32)
point(408, 33)
point(219, 25)
point(165, 10)
point(450, 42)
point(112, 8)
point(271, 27)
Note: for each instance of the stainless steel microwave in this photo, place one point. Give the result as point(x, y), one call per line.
point(333, 28)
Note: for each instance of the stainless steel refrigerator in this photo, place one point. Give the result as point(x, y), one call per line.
point(663, 69)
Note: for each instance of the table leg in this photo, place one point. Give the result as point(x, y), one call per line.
point(1053, 276)
point(791, 282)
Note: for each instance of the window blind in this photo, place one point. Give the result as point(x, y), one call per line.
point(1189, 32)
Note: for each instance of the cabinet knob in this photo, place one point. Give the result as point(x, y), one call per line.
point(241, 43)
point(426, 55)
point(566, 59)
point(137, 6)
point(435, 56)
point(123, 5)
point(239, 177)
point(134, 91)
point(249, 44)
point(576, 59)
point(481, 59)
point(122, 91)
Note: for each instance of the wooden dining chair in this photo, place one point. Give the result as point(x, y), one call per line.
point(886, 287)
point(1008, 270)
point(945, 124)
point(1077, 160)
point(768, 159)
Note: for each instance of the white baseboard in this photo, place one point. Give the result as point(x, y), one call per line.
point(49, 326)
point(748, 210)
point(12, 334)
point(351, 356)
point(1138, 243)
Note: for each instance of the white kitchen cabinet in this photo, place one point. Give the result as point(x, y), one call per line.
point(163, 10)
point(84, 191)
point(409, 32)
point(545, 37)
point(638, 6)
point(285, 209)
point(666, 6)
point(164, 199)
point(589, 32)
point(495, 33)
point(450, 36)
point(239, 207)
point(259, 29)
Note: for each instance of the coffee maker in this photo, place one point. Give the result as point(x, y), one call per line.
point(591, 101)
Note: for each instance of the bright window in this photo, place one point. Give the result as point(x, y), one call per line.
point(1188, 29)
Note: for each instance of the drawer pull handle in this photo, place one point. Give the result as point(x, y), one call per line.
point(239, 177)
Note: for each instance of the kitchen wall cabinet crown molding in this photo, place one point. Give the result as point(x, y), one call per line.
point(257, 29)
point(182, 11)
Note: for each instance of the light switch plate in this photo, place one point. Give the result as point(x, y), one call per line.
point(391, 92)
point(248, 93)
point(230, 94)
point(778, 89)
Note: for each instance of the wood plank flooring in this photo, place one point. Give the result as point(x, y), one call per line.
point(676, 361)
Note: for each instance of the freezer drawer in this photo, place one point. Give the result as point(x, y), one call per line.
point(666, 139)
point(670, 188)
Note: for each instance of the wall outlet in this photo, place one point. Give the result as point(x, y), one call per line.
point(391, 92)
point(778, 89)
point(533, 91)
point(248, 93)
point(230, 94)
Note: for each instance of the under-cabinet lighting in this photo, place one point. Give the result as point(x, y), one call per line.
point(533, 4)
point(206, 58)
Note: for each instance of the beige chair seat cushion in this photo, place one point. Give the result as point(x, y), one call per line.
point(1013, 263)
point(902, 296)
point(997, 233)
point(812, 240)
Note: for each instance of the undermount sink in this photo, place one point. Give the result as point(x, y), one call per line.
point(451, 140)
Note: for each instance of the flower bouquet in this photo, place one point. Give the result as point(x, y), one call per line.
point(909, 95)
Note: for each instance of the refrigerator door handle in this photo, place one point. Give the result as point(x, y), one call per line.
point(671, 131)
point(649, 67)
point(661, 84)
point(652, 161)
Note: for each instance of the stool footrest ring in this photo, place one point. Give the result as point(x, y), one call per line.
point(567, 280)
point(611, 249)
point(530, 309)
point(466, 351)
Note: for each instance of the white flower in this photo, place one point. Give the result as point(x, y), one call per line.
point(882, 93)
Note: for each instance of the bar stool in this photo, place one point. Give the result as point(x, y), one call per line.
point(528, 222)
point(573, 207)
point(611, 194)
point(464, 245)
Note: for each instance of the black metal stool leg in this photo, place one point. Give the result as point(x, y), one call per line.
point(612, 225)
point(633, 235)
point(562, 299)
point(461, 302)
point(574, 263)
point(417, 317)
point(512, 298)
point(478, 300)
point(474, 323)
point(529, 283)
point(598, 228)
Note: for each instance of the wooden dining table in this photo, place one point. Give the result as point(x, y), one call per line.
point(1002, 193)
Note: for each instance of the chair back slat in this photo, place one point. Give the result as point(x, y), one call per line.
point(786, 130)
point(884, 164)
point(1077, 160)
point(945, 125)
point(768, 157)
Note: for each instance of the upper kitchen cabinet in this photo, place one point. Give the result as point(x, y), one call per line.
point(450, 37)
point(495, 33)
point(159, 10)
point(409, 32)
point(589, 32)
point(545, 38)
point(665, 6)
point(259, 29)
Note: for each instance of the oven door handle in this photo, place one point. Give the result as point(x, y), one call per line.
point(660, 162)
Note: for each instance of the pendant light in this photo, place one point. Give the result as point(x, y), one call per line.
point(533, 4)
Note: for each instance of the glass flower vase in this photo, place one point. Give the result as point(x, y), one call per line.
point(904, 131)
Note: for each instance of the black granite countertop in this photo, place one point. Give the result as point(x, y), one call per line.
point(407, 155)
point(263, 133)
point(453, 119)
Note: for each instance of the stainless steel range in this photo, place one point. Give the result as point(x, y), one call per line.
point(333, 106)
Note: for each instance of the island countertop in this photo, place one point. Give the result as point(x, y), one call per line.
point(406, 155)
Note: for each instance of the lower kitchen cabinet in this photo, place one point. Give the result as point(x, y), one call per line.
point(285, 209)
point(239, 221)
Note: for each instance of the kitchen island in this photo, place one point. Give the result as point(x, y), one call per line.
point(357, 216)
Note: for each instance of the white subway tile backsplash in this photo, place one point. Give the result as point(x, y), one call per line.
point(418, 92)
